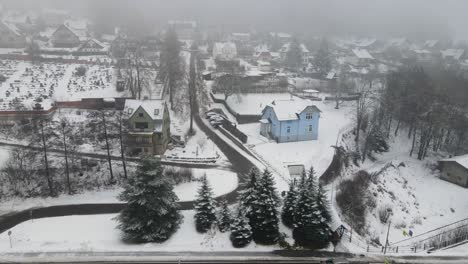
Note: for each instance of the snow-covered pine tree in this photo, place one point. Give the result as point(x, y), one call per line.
point(289, 205)
point(267, 182)
point(323, 205)
point(241, 232)
point(151, 214)
point(311, 182)
point(224, 220)
point(310, 225)
point(265, 215)
point(205, 213)
point(249, 194)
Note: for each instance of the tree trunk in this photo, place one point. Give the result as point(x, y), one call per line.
point(122, 150)
point(46, 162)
point(397, 127)
point(107, 147)
point(67, 171)
point(414, 142)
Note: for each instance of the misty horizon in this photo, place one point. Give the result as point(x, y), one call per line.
point(363, 18)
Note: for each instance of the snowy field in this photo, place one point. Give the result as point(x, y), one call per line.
point(221, 181)
point(27, 83)
point(99, 233)
point(317, 153)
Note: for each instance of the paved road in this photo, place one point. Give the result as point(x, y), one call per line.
point(283, 257)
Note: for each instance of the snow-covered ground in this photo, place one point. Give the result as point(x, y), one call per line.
point(252, 104)
point(419, 199)
point(221, 181)
point(99, 233)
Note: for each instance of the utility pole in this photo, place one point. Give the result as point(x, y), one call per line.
point(386, 240)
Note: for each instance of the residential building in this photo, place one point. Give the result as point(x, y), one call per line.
point(64, 37)
point(10, 36)
point(93, 46)
point(455, 170)
point(290, 120)
point(224, 50)
point(148, 127)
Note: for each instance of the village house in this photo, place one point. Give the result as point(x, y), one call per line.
point(290, 120)
point(455, 55)
point(93, 47)
point(64, 37)
point(10, 36)
point(455, 170)
point(148, 126)
point(305, 54)
point(262, 53)
point(224, 50)
point(362, 57)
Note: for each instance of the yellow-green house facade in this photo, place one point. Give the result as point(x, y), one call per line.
point(148, 127)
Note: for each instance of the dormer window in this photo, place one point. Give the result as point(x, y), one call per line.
point(130, 111)
point(309, 115)
point(156, 112)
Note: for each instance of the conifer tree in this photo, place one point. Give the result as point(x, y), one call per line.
point(268, 182)
point(311, 182)
point(241, 232)
point(265, 215)
point(289, 205)
point(249, 194)
point(224, 221)
point(323, 205)
point(151, 214)
point(205, 214)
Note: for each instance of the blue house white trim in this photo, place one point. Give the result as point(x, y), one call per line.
point(290, 120)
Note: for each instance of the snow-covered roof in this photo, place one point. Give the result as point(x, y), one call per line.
point(12, 28)
point(430, 43)
point(397, 41)
point(285, 48)
point(462, 160)
point(290, 109)
point(240, 34)
point(131, 105)
point(331, 75)
point(362, 54)
point(280, 34)
point(422, 51)
point(453, 53)
point(261, 48)
point(365, 42)
point(183, 22)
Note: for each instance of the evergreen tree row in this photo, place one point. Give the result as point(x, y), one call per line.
point(306, 211)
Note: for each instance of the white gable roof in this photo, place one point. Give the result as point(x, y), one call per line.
point(149, 106)
point(290, 109)
point(454, 53)
point(225, 50)
point(462, 160)
point(362, 54)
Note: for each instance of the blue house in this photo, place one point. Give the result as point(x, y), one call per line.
point(290, 120)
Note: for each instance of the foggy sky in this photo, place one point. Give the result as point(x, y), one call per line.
point(410, 18)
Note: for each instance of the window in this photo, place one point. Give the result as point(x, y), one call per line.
point(130, 110)
point(141, 125)
point(309, 128)
point(140, 114)
point(309, 115)
point(156, 112)
point(288, 129)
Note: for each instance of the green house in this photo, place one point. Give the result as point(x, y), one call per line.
point(148, 127)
